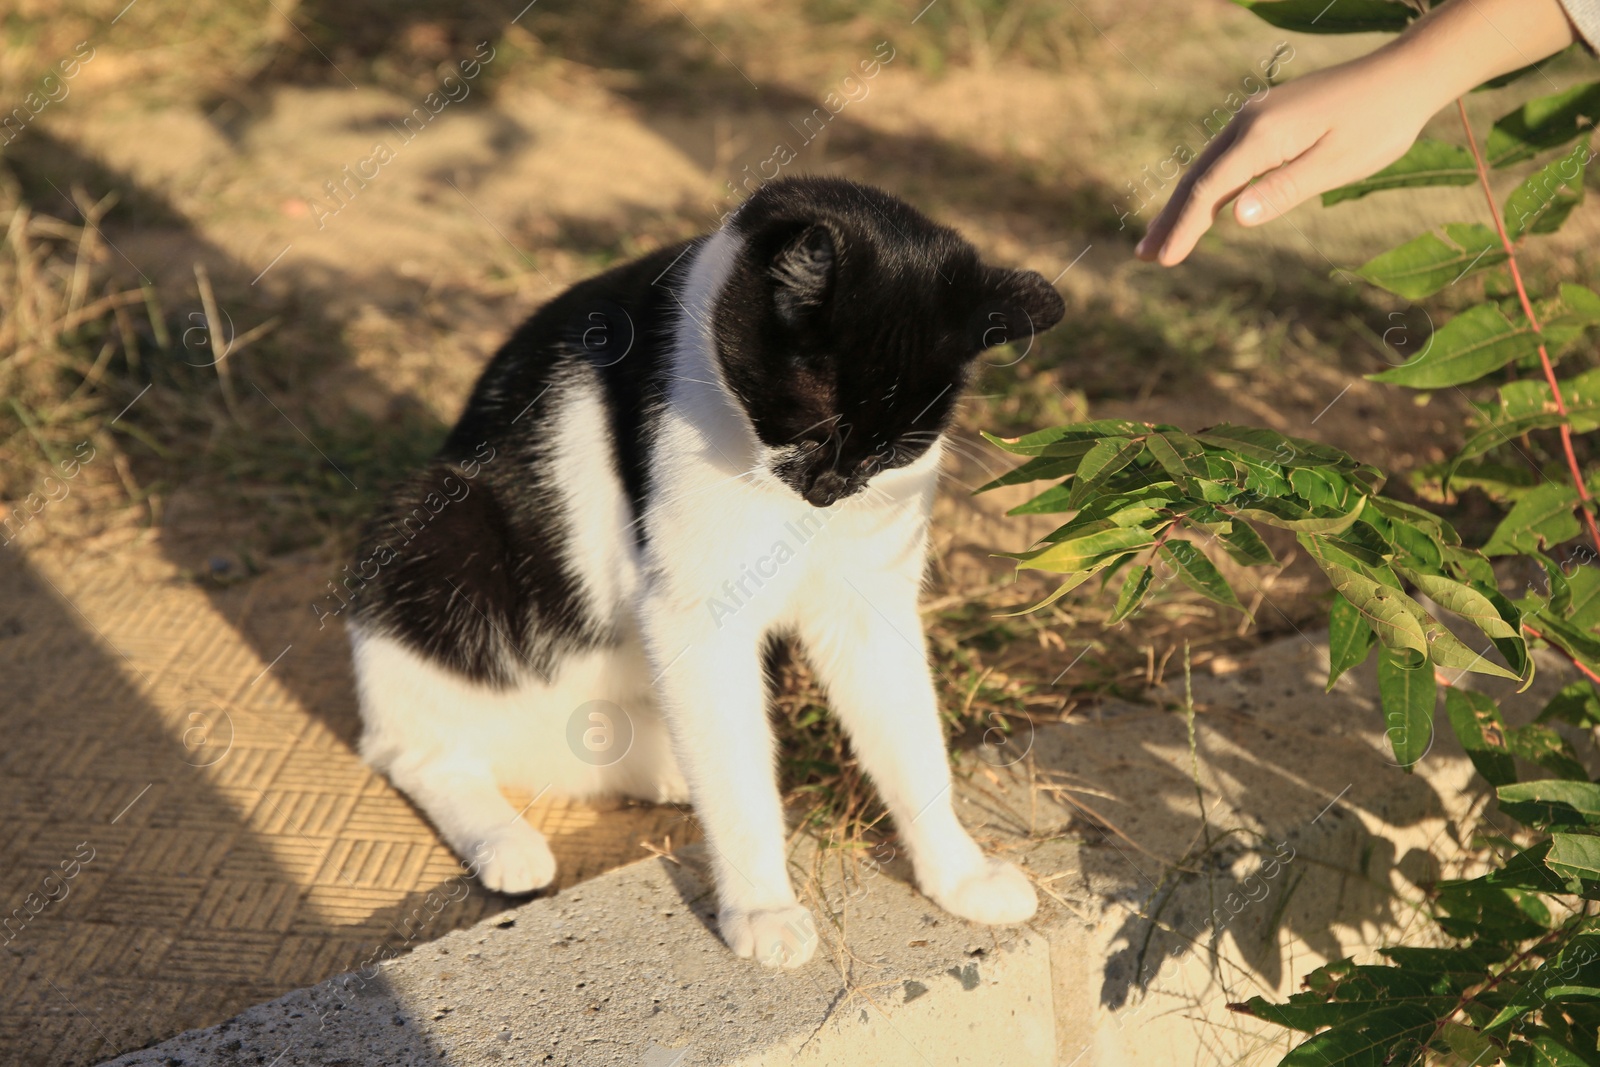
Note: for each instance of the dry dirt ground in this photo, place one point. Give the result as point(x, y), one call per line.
point(167, 693)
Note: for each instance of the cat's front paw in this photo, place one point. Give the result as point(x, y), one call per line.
point(774, 937)
point(514, 860)
point(995, 893)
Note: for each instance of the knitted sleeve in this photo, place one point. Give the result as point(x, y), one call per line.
point(1585, 15)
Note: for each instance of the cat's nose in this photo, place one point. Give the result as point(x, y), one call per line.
point(827, 488)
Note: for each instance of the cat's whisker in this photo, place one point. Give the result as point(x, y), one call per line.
point(819, 422)
point(971, 454)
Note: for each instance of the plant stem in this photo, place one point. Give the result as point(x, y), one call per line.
point(1527, 309)
point(1591, 675)
point(1510, 968)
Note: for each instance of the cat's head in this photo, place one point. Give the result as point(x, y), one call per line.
point(847, 327)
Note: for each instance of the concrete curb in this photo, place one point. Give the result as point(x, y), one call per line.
point(1175, 880)
point(627, 969)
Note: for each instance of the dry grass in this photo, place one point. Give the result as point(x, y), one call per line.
point(1019, 122)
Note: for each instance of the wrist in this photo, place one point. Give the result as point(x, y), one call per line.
point(1460, 45)
point(1415, 77)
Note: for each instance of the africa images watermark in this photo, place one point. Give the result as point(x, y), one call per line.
point(346, 988)
point(52, 89)
point(55, 490)
point(341, 192)
point(739, 591)
point(851, 90)
point(453, 488)
point(53, 889)
point(1151, 186)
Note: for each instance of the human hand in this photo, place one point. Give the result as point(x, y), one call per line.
point(1343, 123)
point(1300, 139)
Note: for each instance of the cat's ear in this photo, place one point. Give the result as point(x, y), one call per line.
point(1019, 304)
point(802, 273)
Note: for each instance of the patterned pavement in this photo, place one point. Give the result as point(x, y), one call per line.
point(184, 827)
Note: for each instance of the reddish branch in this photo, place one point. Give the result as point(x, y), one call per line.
point(1592, 676)
point(1533, 321)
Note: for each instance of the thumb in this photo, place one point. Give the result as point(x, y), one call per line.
point(1278, 192)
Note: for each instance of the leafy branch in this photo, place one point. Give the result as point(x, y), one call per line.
point(1518, 981)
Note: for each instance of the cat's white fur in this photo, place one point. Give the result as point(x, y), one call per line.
point(732, 556)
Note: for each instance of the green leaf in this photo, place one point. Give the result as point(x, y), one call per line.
point(1124, 509)
point(1531, 396)
point(1402, 625)
point(1583, 590)
point(1484, 608)
point(1542, 745)
point(1039, 469)
point(1379, 1038)
point(1407, 695)
point(1323, 488)
point(1551, 801)
point(1499, 433)
point(1500, 482)
point(1545, 1049)
point(1564, 320)
point(1107, 457)
point(1200, 574)
point(1072, 582)
point(1427, 162)
point(1467, 909)
point(1427, 263)
point(1544, 516)
point(1576, 960)
point(1092, 545)
point(1134, 588)
point(1467, 1043)
point(1475, 342)
point(1350, 639)
point(1477, 724)
point(1245, 546)
point(1344, 995)
point(1578, 704)
point(1269, 446)
point(1342, 16)
point(1364, 543)
point(1525, 870)
point(1471, 565)
point(1291, 516)
point(1574, 856)
point(1064, 438)
point(1541, 123)
point(1545, 199)
point(1386, 610)
point(1425, 520)
point(1176, 463)
point(1467, 966)
point(1418, 547)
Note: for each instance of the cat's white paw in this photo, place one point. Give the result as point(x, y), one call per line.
point(996, 893)
point(774, 937)
point(514, 859)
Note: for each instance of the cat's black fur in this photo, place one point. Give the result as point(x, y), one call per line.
point(847, 324)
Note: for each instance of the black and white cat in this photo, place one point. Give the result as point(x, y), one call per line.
point(666, 466)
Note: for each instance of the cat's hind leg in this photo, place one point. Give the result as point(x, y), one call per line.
point(434, 735)
point(641, 763)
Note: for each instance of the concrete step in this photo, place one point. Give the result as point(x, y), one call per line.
point(1174, 881)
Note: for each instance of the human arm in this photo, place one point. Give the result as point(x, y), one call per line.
point(1343, 123)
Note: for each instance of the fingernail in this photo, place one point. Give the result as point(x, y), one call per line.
point(1143, 247)
point(1249, 208)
